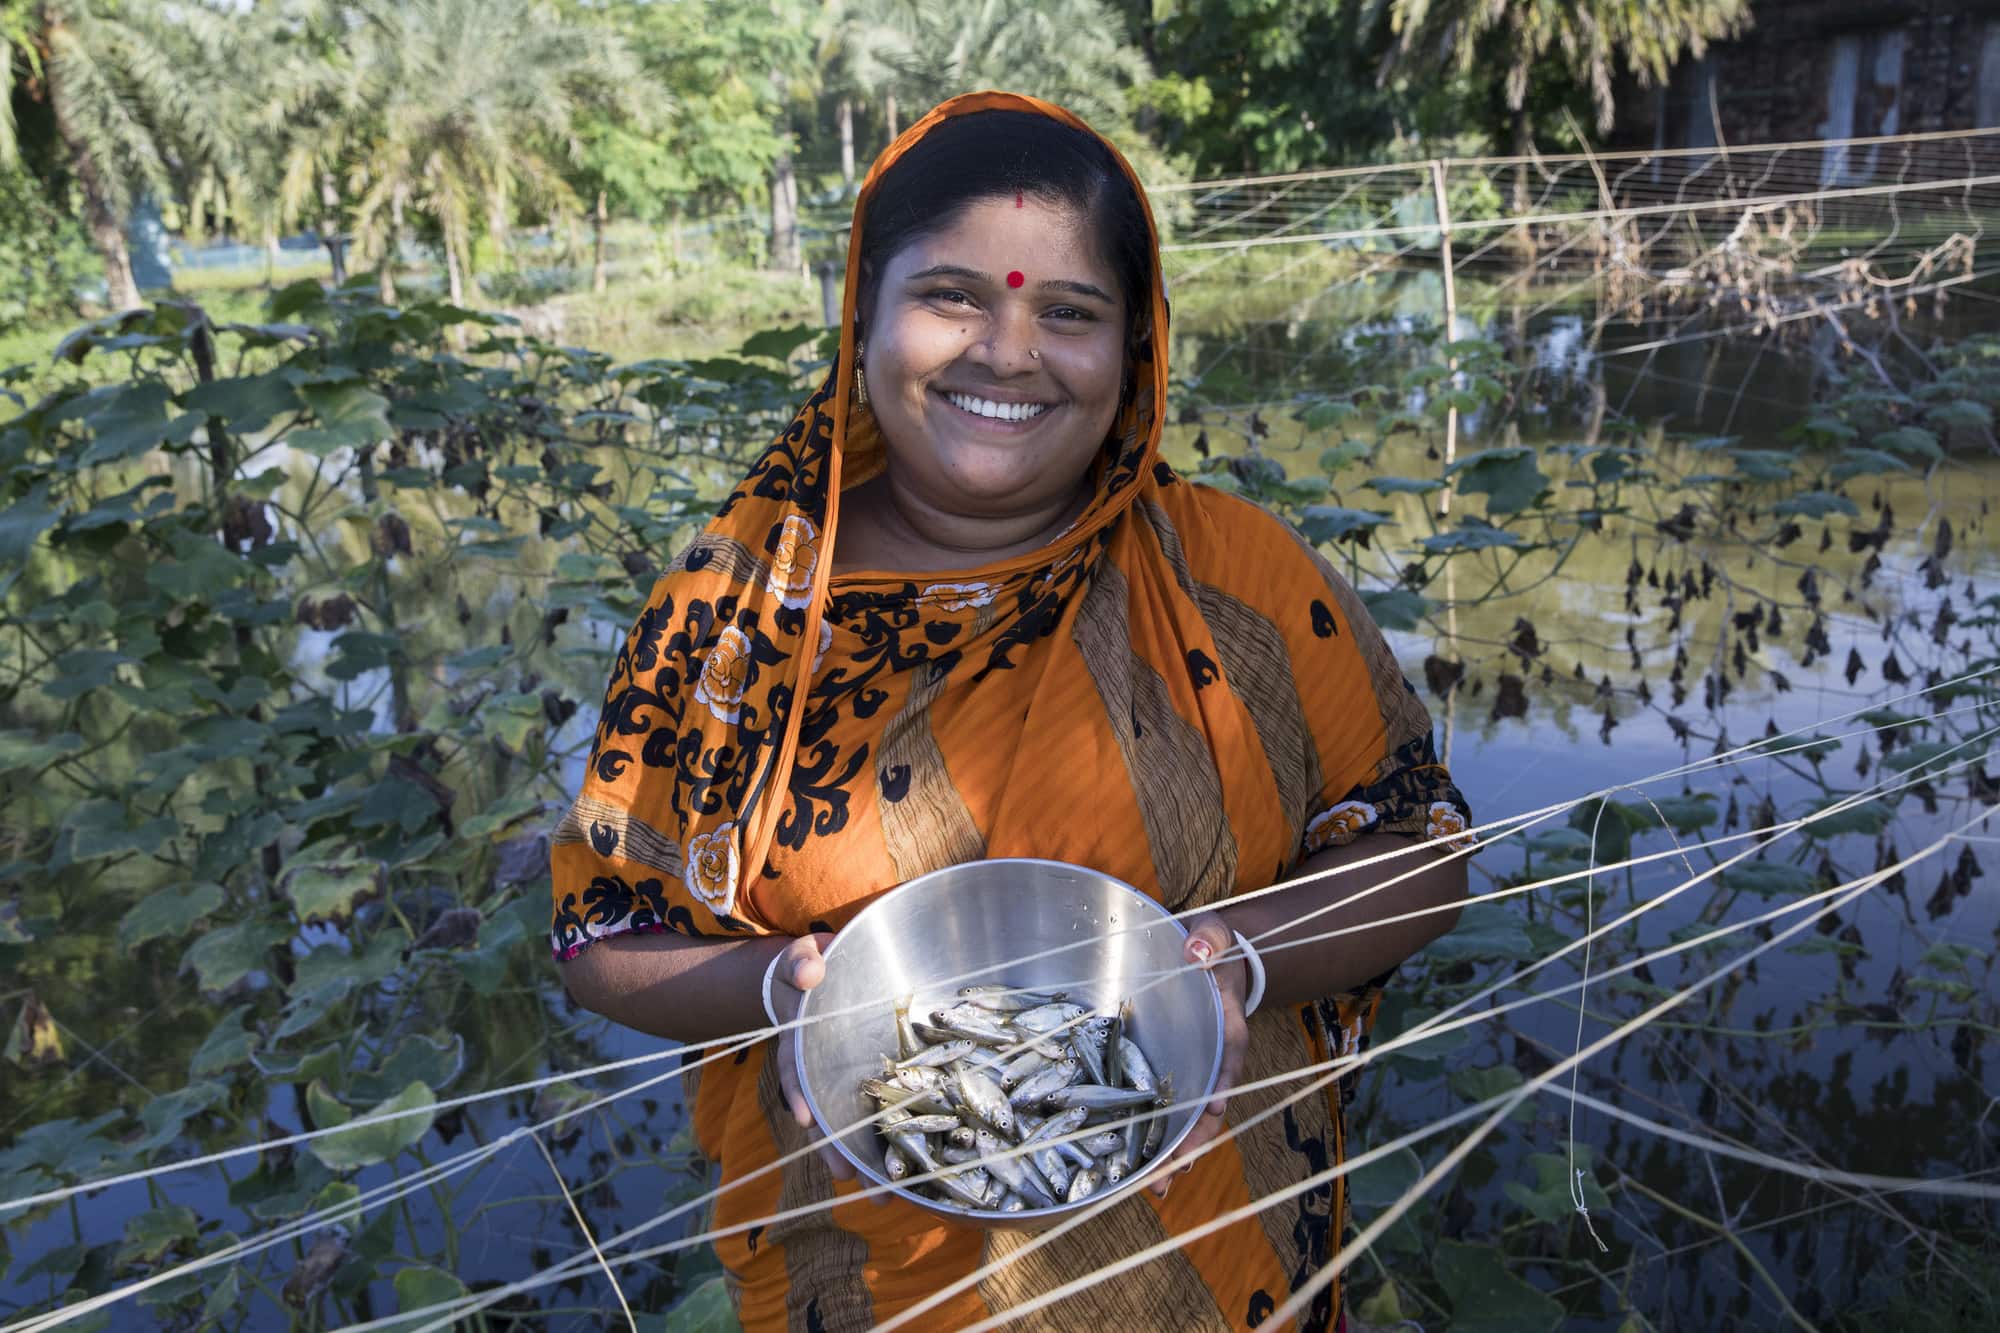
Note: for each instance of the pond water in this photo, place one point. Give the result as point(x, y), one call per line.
point(1862, 1044)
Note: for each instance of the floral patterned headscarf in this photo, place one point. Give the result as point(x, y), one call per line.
point(701, 724)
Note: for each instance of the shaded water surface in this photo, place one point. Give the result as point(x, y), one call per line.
point(1854, 1045)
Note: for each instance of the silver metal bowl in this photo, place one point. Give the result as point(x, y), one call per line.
point(966, 924)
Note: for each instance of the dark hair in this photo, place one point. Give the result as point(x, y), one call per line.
point(986, 154)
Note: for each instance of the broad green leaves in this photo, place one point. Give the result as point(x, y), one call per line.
point(1508, 477)
point(408, 1118)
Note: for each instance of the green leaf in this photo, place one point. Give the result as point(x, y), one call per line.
point(1330, 523)
point(225, 1048)
point(1769, 879)
point(1814, 504)
point(1395, 608)
point(419, 1288)
point(368, 1145)
point(1869, 817)
point(1550, 1200)
point(1328, 413)
point(349, 415)
point(164, 1117)
point(1690, 813)
point(1922, 753)
point(1825, 428)
point(1486, 1297)
point(1863, 463)
point(1403, 485)
point(152, 1233)
point(779, 344)
point(83, 670)
point(22, 522)
point(706, 1309)
point(296, 298)
point(1763, 464)
point(308, 1007)
point(126, 421)
point(1337, 458)
point(1560, 842)
point(1508, 476)
point(1914, 441)
point(1961, 414)
point(1490, 1081)
point(1469, 538)
point(248, 403)
point(417, 1059)
point(324, 878)
point(222, 957)
point(27, 749)
point(171, 911)
point(1382, 1182)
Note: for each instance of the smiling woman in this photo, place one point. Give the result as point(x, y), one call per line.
point(961, 609)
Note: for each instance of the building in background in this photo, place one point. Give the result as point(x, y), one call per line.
point(1829, 69)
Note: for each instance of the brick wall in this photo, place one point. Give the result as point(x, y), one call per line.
point(1771, 84)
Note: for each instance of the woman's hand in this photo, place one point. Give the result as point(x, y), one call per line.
point(800, 968)
point(1209, 937)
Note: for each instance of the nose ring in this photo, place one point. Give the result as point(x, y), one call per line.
point(1035, 354)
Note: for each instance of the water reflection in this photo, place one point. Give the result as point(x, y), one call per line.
point(1816, 1054)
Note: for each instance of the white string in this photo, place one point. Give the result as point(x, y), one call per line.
point(1765, 746)
point(1502, 1104)
point(1425, 1030)
point(1311, 1288)
point(1336, 1068)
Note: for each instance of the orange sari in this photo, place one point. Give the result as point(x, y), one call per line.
point(1178, 691)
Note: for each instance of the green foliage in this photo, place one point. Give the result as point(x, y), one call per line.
point(43, 251)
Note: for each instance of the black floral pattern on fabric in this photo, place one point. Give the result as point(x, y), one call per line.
point(1415, 795)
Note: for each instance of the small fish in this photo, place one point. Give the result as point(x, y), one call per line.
point(1087, 1040)
point(933, 1056)
point(1134, 1069)
point(1102, 1144)
point(1047, 1081)
point(986, 1096)
point(1067, 1122)
point(1006, 999)
point(1097, 1097)
point(1049, 1017)
point(1055, 1169)
point(969, 1020)
point(1018, 1068)
point(982, 1096)
point(1012, 1171)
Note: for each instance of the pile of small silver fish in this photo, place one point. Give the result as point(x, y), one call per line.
point(1004, 1069)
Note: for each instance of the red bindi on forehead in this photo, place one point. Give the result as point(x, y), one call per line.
point(1016, 278)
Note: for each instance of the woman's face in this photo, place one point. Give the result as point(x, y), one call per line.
point(975, 422)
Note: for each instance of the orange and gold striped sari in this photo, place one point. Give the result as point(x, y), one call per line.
point(1178, 691)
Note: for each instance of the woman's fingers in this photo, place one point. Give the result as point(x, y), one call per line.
point(1208, 938)
point(803, 968)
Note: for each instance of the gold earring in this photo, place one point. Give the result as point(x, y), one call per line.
point(860, 379)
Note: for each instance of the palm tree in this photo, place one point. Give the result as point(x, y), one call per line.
point(1585, 39)
point(473, 106)
point(129, 103)
point(863, 47)
point(1070, 52)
